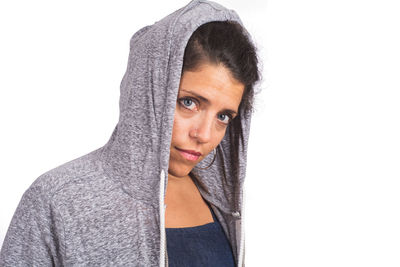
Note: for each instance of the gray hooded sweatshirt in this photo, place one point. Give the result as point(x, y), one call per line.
point(106, 208)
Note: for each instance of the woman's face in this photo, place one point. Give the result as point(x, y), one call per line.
point(208, 99)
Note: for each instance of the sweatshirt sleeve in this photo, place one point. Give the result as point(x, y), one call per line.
point(35, 236)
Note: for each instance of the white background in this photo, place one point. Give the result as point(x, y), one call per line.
point(322, 187)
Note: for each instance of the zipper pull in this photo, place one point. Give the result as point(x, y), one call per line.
point(236, 214)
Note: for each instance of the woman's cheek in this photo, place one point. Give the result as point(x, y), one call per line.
point(183, 121)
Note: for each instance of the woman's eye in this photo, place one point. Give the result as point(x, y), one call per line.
point(187, 103)
point(225, 118)
point(190, 104)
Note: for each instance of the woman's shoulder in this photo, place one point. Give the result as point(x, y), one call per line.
point(70, 178)
point(42, 215)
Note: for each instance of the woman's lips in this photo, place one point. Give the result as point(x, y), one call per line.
point(189, 155)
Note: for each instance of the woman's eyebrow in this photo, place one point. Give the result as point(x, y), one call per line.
point(206, 100)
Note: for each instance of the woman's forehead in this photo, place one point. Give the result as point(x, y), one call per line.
point(212, 82)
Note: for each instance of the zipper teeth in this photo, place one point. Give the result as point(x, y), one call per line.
point(241, 249)
point(162, 220)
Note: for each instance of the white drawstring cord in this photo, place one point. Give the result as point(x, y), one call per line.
point(162, 220)
point(241, 247)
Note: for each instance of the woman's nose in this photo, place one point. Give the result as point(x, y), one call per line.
point(203, 129)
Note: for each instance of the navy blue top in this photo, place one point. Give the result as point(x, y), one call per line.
point(204, 245)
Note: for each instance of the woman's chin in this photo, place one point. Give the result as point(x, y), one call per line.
point(179, 170)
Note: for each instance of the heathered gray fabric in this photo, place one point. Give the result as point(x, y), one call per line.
point(103, 208)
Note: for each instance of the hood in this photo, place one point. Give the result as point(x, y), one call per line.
point(137, 153)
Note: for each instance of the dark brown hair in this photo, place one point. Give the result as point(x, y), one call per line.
point(226, 43)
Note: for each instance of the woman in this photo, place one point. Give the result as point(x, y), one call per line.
point(188, 86)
